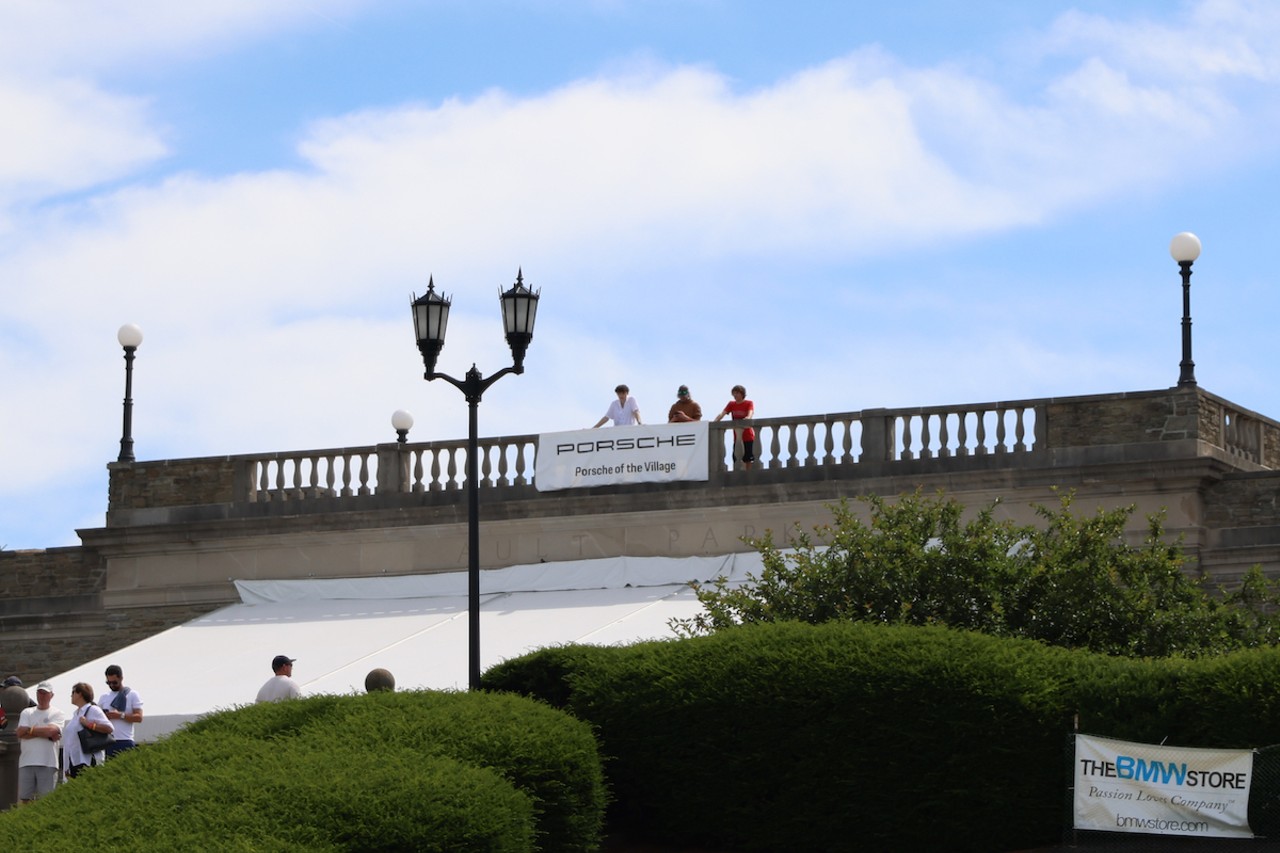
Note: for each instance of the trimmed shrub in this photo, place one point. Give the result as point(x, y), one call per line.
point(849, 736)
point(384, 771)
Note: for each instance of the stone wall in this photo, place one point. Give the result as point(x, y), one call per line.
point(170, 482)
point(49, 572)
point(52, 616)
point(1243, 500)
point(1134, 418)
point(152, 567)
point(50, 603)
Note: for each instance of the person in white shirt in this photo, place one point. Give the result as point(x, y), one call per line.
point(123, 707)
point(87, 716)
point(39, 730)
point(281, 685)
point(623, 411)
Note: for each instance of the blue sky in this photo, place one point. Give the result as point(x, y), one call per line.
point(838, 205)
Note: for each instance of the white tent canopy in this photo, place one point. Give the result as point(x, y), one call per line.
point(413, 626)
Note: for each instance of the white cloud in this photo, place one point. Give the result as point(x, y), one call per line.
point(66, 135)
point(275, 301)
point(51, 36)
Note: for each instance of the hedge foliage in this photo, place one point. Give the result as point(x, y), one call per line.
point(384, 771)
point(1069, 580)
point(856, 736)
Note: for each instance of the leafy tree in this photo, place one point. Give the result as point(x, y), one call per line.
point(1068, 581)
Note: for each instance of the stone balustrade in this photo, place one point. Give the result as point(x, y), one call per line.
point(805, 446)
point(178, 530)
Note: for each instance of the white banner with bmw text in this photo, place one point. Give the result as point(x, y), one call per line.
point(1164, 790)
point(661, 453)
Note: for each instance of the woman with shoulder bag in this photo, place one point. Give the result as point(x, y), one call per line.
point(90, 718)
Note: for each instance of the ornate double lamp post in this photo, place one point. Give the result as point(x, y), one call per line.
point(430, 317)
point(1185, 248)
point(130, 337)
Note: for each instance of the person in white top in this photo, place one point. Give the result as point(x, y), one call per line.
point(281, 685)
point(123, 707)
point(623, 411)
point(87, 716)
point(39, 730)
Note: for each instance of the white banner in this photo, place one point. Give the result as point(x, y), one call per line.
point(1163, 790)
point(660, 453)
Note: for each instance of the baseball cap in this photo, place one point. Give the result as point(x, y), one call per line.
point(44, 687)
point(13, 681)
point(682, 391)
point(281, 660)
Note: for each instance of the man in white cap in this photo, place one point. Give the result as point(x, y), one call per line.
point(281, 685)
point(39, 730)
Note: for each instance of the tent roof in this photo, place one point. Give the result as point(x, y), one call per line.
point(413, 626)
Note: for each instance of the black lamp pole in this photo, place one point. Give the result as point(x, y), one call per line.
point(430, 317)
point(130, 337)
point(1185, 248)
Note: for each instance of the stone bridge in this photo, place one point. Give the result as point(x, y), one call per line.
point(179, 531)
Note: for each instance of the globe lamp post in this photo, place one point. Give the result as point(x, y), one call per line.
point(130, 337)
point(1185, 248)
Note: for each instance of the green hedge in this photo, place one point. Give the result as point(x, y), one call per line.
point(854, 736)
point(385, 771)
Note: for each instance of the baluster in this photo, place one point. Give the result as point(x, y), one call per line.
point(416, 488)
point(944, 435)
point(926, 437)
point(264, 479)
point(847, 443)
point(793, 449)
point(436, 485)
point(962, 434)
point(811, 446)
point(1001, 447)
point(452, 469)
point(280, 479)
point(331, 464)
point(520, 465)
point(486, 465)
point(346, 477)
point(907, 452)
point(775, 446)
point(502, 465)
point(981, 438)
point(364, 475)
point(829, 443)
point(1020, 429)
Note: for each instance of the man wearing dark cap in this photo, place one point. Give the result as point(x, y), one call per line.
point(280, 686)
point(123, 707)
point(684, 409)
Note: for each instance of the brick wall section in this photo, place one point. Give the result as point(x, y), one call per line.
point(49, 610)
point(1128, 418)
point(1271, 448)
point(51, 572)
point(171, 482)
point(125, 627)
point(47, 655)
point(70, 626)
point(1249, 500)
